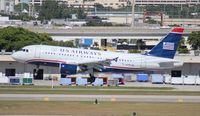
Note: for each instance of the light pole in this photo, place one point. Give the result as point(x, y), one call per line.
point(127, 12)
point(31, 7)
point(133, 13)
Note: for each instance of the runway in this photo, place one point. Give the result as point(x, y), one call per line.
point(113, 98)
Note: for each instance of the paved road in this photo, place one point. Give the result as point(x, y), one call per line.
point(106, 31)
point(134, 98)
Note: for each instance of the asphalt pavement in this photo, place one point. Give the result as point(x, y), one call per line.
point(112, 98)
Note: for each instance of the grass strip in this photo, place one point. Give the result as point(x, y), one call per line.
point(98, 92)
point(102, 109)
point(86, 87)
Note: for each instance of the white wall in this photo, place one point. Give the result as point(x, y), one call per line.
point(21, 68)
point(187, 69)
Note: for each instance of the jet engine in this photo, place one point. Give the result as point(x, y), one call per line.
point(69, 69)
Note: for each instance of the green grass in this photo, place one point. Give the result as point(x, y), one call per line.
point(87, 87)
point(102, 109)
point(99, 92)
point(93, 90)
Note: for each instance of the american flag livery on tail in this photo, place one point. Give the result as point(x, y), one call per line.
point(167, 47)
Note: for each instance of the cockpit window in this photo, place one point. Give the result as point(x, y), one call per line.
point(24, 50)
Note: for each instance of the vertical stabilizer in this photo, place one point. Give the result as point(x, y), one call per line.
point(167, 47)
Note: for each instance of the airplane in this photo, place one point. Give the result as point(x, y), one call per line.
point(75, 60)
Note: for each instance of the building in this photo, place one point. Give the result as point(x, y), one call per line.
point(10, 67)
point(35, 2)
point(160, 2)
point(111, 3)
point(7, 6)
point(126, 18)
point(116, 3)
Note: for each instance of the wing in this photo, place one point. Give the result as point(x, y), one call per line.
point(95, 64)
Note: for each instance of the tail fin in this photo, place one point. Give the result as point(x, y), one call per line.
point(166, 48)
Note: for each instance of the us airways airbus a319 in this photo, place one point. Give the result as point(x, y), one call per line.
point(76, 60)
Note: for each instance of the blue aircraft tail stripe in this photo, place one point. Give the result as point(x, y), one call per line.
point(167, 47)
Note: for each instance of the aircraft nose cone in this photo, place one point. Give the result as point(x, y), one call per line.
point(19, 57)
point(15, 56)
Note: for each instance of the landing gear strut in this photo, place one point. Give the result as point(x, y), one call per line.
point(37, 68)
point(36, 71)
point(92, 78)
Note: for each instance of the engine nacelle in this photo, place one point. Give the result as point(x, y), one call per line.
point(68, 69)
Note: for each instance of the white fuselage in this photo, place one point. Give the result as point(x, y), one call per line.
point(66, 55)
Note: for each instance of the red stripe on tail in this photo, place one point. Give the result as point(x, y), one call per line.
point(178, 30)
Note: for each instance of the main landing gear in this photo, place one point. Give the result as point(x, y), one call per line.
point(92, 78)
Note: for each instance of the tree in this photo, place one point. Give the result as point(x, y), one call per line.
point(12, 38)
point(20, 7)
point(140, 43)
point(134, 51)
point(65, 12)
point(182, 48)
point(61, 43)
point(175, 11)
point(194, 40)
point(49, 10)
point(55, 9)
point(22, 12)
point(25, 17)
point(80, 13)
point(151, 21)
